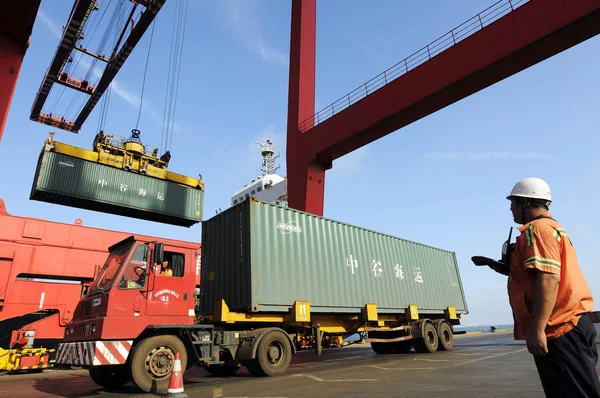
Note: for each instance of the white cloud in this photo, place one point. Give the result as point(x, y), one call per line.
point(125, 94)
point(486, 156)
point(267, 53)
point(351, 162)
point(54, 28)
point(244, 18)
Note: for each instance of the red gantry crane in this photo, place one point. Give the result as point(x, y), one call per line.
point(502, 40)
point(130, 34)
point(16, 23)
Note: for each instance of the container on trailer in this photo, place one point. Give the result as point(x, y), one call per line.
point(75, 182)
point(262, 257)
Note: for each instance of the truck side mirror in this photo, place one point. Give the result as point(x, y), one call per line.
point(97, 269)
point(159, 253)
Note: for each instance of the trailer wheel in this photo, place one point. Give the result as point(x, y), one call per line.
point(445, 336)
point(110, 377)
point(429, 342)
point(402, 347)
point(382, 348)
point(273, 356)
point(152, 361)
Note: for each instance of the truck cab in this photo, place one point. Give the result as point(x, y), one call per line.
point(136, 318)
point(132, 294)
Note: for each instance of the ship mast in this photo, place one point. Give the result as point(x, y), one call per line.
point(268, 154)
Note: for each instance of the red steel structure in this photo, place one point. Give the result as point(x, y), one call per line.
point(71, 35)
point(16, 23)
point(45, 268)
point(504, 39)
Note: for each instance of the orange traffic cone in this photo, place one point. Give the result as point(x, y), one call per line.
point(175, 389)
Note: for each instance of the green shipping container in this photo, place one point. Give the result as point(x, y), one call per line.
point(74, 182)
point(261, 257)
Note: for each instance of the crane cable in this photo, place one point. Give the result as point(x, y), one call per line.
point(177, 38)
point(178, 74)
point(144, 80)
point(111, 31)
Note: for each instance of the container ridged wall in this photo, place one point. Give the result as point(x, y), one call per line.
point(74, 182)
point(262, 257)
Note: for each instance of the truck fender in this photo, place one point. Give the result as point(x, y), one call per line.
point(251, 340)
point(417, 328)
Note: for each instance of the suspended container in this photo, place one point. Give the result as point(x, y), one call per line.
point(77, 182)
point(262, 257)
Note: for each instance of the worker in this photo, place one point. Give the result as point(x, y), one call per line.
point(98, 139)
point(166, 157)
point(166, 269)
point(550, 298)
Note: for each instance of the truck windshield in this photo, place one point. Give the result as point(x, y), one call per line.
point(111, 267)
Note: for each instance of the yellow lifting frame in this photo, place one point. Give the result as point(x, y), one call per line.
point(111, 155)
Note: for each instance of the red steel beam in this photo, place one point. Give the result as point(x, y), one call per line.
point(16, 24)
point(306, 177)
point(75, 84)
point(116, 62)
point(54, 121)
point(532, 33)
point(91, 54)
point(79, 14)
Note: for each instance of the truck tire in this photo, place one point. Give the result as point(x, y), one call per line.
point(226, 370)
point(445, 336)
point(397, 347)
point(152, 360)
point(273, 355)
point(383, 348)
point(402, 347)
point(110, 377)
point(429, 342)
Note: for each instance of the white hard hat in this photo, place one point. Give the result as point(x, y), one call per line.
point(533, 188)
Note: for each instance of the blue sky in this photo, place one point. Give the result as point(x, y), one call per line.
point(441, 181)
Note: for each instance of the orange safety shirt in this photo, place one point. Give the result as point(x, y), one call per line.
point(545, 246)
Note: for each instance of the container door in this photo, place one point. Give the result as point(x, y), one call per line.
point(169, 295)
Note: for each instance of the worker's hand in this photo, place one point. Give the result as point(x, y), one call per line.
point(480, 260)
point(537, 344)
point(497, 266)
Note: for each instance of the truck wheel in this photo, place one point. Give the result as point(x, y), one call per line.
point(429, 341)
point(152, 361)
point(383, 348)
point(445, 336)
point(110, 377)
point(402, 347)
point(228, 369)
point(273, 356)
